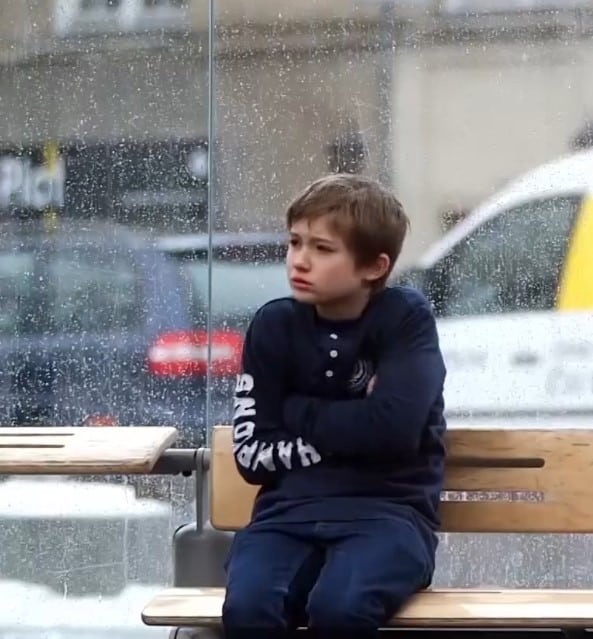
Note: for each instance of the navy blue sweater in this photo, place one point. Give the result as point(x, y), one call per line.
point(308, 433)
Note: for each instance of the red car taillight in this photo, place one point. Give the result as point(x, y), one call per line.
point(185, 353)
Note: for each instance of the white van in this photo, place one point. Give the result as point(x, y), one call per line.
point(512, 286)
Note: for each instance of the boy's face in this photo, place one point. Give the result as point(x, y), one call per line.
point(322, 270)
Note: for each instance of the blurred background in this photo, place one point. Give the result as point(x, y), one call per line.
point(122, 259)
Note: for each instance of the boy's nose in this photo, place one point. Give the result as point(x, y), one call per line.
point(301, 261)
point(303, 265)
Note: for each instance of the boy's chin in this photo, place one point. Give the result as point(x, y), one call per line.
point(306, 297)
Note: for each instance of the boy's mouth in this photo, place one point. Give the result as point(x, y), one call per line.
point(300, 283)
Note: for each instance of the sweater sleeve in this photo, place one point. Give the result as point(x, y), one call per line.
point(262, 447)
point(391, 420)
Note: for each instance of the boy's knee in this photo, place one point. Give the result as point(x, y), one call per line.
point(252, 606)
point(333, 609)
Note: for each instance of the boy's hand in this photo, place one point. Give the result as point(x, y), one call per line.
point(371, 384)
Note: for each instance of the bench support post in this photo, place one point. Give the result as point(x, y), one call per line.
point(199, 551)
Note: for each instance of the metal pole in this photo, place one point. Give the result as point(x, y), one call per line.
point(384, 79)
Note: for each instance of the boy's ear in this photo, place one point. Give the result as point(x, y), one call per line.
point(378, 269)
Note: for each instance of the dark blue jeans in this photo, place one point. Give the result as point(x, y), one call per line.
point(336, 577)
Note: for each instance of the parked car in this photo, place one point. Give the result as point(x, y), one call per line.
point(103, 325)
point(246, 270)
point(512, 286)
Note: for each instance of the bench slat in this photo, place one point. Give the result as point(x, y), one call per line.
point(525, 608)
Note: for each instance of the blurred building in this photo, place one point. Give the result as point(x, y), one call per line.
point(444, 99)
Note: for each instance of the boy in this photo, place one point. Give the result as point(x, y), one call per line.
point(339, 418)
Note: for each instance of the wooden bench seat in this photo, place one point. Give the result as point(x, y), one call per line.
point(442, 608)
point(507, 481)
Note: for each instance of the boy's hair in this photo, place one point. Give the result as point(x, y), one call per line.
point(368, 217)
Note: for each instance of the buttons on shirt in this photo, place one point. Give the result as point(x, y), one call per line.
point(333, 354)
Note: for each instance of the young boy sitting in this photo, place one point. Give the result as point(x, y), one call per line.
point(339, 418)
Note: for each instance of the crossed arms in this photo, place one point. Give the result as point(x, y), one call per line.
point(275, 431)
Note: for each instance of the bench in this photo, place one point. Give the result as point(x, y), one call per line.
point(32, 450)
point(98, 453)
point(505, 481)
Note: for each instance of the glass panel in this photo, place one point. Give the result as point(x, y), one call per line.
point(103, 159)
point(107, 118)
point(449, 103)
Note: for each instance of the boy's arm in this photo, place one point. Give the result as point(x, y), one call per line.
point(262, 447)
point(391, 419)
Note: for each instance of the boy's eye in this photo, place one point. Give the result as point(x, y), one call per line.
point(293, 241)
point(324, 249)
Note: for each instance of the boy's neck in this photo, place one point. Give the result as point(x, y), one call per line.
point(350, 308)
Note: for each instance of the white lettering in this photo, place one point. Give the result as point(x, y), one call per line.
point(244, 431)
point(244, 407)
point(307, 453)
point(265, 457)
point(24, 184)
point(285, 453)
point(254, 454)
point(244, 383)
point(262, 454)
point(245, 455)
